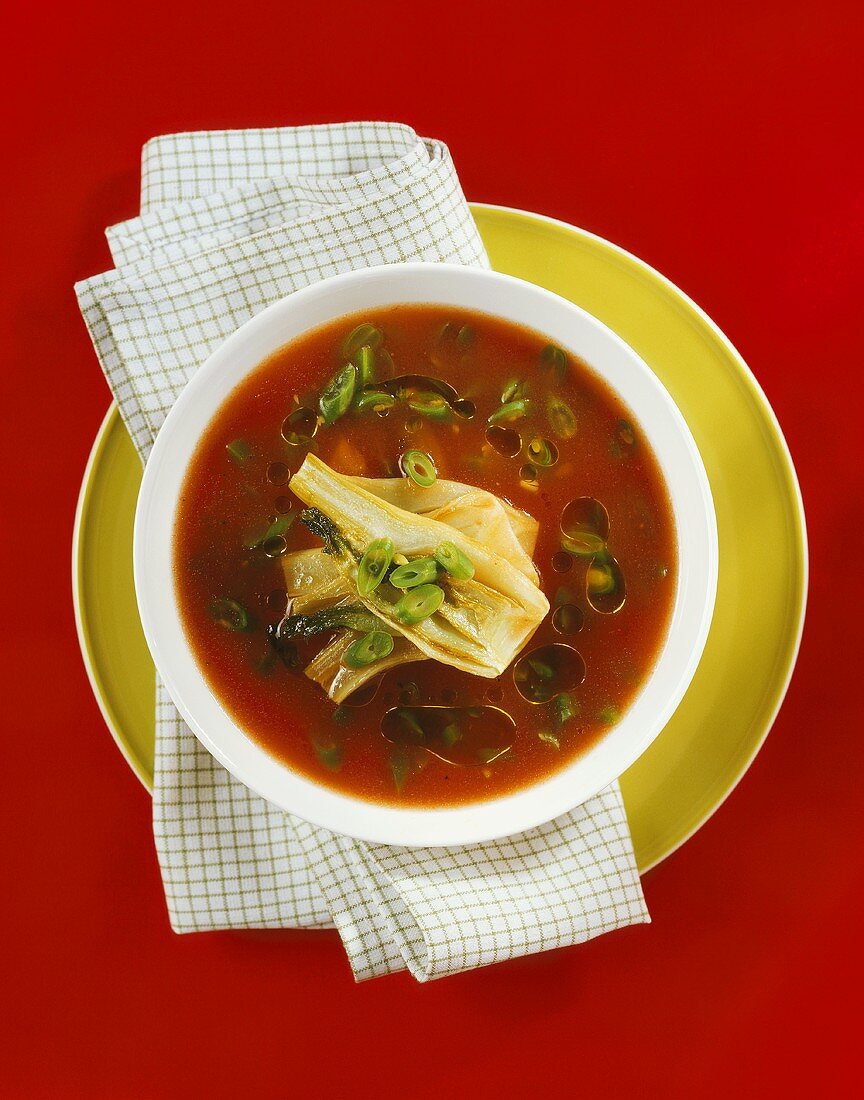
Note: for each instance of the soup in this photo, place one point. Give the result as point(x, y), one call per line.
point(424, 557)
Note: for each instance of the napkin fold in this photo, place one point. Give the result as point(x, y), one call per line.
point(230, 222)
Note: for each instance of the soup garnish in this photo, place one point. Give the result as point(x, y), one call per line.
point(416, 555)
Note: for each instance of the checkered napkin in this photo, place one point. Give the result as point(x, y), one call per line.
point(232, 221)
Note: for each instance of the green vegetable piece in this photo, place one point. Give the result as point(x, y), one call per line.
point(541, 670)
point(458, 564)
point(451, 733)
point(512, 390)
point(376, 400)
point(414, 573)
point(418, 604)
point(561, 418)
point(513, 410)
point(329, 753)
point(565, 708)
point(341, 617)
point(277, 529)
point(420, 468)
point(367, 650)
point(400, 766)
point(608, 714)
point(549, 738)
point(334, 541)
point(365, 363)
point(336, 398)
point(542, 452)
point(554, 357)
point(431, 405)
point(364, 334)
point(230, 614)
point(238, 451)
point(465, 337)
point(583, 544)
point(373, 565)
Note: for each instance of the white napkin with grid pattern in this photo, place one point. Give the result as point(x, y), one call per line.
point(232, 221)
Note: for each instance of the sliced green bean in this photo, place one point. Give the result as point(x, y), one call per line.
point(561, 418)
point(231, 614)
point(418, 604)
point(376, 400)
point(238, 451)
point(374, 565)
point(414, 573)
point(365, 363)
point(367, 650)
point(363, 334)
point(458, 564)
point(420, 468)
point(513, 410)
point(336, 398)
point(431, 405)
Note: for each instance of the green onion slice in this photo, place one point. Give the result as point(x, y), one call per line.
point(365, 362)
point(336, 398)
point(373, 565)
point(513, 410)
point(367, 650)
point(230, 614)
point(458, 564)
point(420, 468)
point(364, 334)
point(418, 604)
point(414, 573)
point(238, 451)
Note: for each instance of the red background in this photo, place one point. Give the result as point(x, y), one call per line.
point(721, 143)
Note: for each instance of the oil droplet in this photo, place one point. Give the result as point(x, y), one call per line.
point(277, 600)
point(562, 562)
point(283, 505)
point(278, 473)
point(506, 441)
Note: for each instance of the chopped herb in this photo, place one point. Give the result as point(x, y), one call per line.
point(341, 617)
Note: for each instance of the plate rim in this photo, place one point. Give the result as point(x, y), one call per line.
point(757, 393)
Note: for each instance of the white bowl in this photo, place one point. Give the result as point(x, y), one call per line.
point(566, 325)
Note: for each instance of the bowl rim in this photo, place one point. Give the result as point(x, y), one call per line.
point(474, 822)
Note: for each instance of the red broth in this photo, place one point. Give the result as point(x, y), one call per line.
point(238, 483)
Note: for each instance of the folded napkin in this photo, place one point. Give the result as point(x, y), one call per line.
point(232, 221)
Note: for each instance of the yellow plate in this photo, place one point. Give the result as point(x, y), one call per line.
point(742, 678)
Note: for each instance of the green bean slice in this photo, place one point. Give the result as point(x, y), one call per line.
point(431, 405)
point(238, 451)
point(376, 400)
point(365, 651)
point(420, 468)
point(513, 410)
point(364, 334)
point(414, 573)
point(562, 420)
point(336, 398)
point(542, 452)
point(230, 614)
point(374, 565)
point(418, 604)
point(455, 561)
point(365, 363)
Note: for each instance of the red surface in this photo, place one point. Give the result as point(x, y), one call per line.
point(721, 142)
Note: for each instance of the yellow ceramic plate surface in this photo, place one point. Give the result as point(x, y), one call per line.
point(742, 678)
